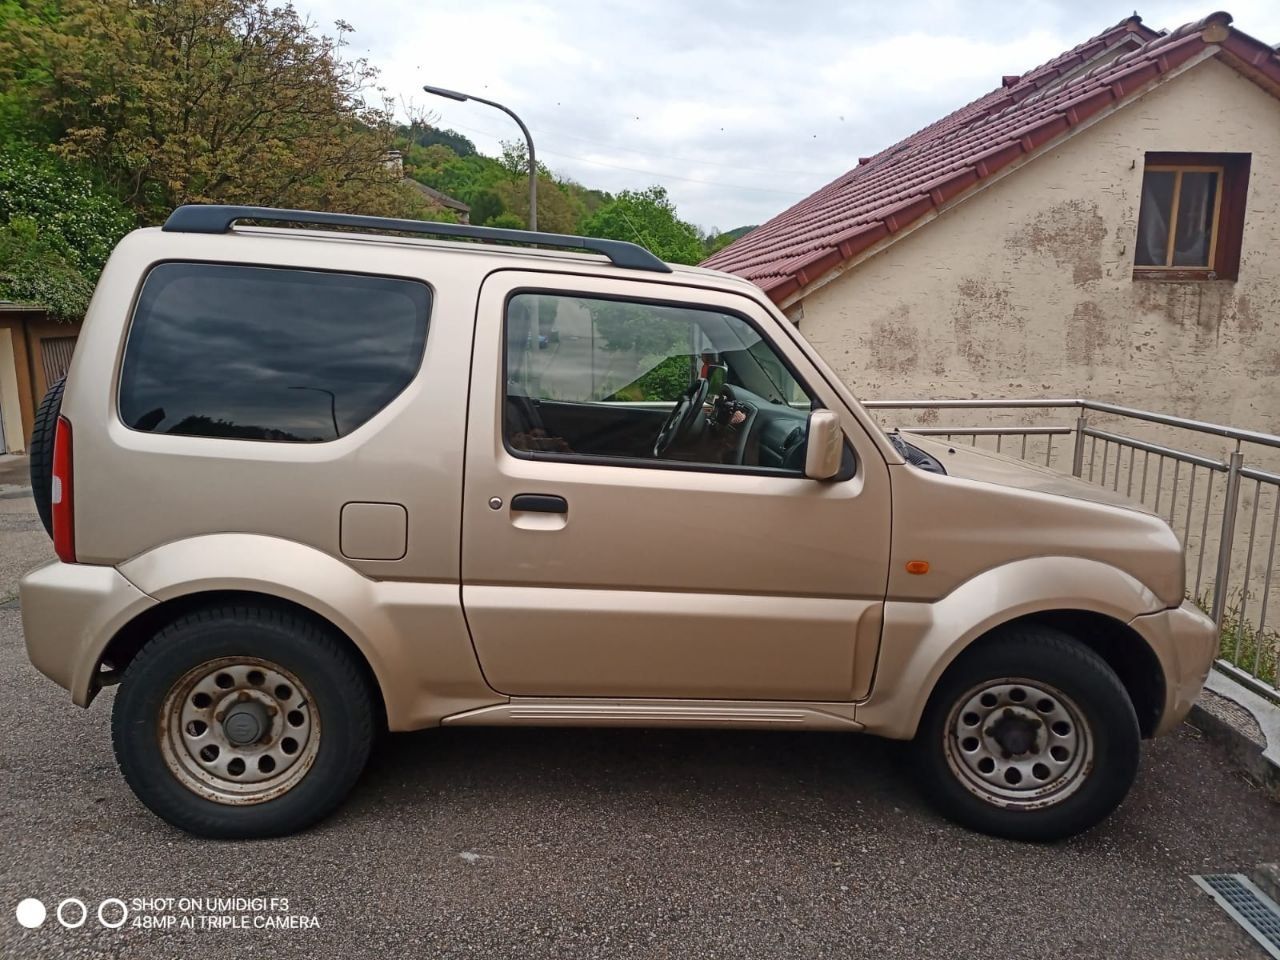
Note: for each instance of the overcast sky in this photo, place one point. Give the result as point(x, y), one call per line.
point(738, 107)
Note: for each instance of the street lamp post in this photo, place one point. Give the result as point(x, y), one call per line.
point(528, 139)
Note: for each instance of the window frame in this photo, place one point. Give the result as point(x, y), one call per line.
point(848, 467)
point(118, 385)
point(1228, 215)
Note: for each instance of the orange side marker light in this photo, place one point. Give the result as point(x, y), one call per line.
point(917, 566)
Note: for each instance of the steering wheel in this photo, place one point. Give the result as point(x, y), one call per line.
point(682, 417)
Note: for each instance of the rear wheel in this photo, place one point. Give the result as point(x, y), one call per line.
point(1029, 736)
point(243, 722)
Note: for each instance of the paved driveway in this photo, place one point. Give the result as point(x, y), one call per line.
point(522, 843)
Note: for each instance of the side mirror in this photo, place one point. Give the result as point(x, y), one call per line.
point(825, 447)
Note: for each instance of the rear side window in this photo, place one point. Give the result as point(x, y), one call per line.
point(261, 353)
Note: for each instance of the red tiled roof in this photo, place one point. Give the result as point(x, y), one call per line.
point(930, 168)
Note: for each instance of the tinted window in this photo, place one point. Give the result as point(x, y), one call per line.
point(256, 353)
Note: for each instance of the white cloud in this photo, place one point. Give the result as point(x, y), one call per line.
point(763, 101)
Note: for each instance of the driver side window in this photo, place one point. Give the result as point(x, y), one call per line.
point(614, 380)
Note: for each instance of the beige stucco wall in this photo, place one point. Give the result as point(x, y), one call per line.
point(1026, 288)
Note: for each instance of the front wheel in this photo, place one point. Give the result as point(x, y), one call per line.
point(1029, 736)
point(243, 722)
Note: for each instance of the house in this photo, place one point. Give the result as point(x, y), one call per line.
point(1107, 224)
point(35, 350)
point(462, 210)
point(394, 161)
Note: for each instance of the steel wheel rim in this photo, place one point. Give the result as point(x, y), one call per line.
point(1018, 743)
point(239, 730)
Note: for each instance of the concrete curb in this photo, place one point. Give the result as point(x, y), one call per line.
point(1262, 764)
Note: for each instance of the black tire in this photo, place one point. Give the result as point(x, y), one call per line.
point(339, 693)
point(40, 462)
point(1109, 725)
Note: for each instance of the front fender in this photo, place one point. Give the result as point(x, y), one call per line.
point(412, 634)
point(921, 639)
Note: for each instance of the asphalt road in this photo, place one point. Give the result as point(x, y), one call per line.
point(563, 843)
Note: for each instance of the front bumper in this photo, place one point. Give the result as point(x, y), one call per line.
point(70, 612)
point(1185, 641)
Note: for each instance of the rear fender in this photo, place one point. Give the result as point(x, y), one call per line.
point(412, 634)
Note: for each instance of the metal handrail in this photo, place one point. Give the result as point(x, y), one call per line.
point(1249, 473)
point(967, 404)
point(1155, 448)
point(988, 431)
point(1199, 426)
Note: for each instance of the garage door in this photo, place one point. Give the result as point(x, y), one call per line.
point(55, 356)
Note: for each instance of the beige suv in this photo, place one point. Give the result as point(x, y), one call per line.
point(304, 484)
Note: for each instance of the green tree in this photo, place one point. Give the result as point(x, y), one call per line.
point(466, 178)
point(486, 207)
point(586, 200)
point(647, 217)
point(19, 120)
point(715, 241)
point(427, 135)
point(498, 187)
point(232, 101)
point(556, 210)
point(515, 161)
point(507, 220)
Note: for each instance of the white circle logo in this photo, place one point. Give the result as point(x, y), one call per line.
point(31, 913)
point(73, 902)
point(124, 913)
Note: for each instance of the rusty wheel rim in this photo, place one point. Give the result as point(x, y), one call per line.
point(239, 730)
point(1018, 743)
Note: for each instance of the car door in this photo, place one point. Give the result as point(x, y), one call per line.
point(602, 573)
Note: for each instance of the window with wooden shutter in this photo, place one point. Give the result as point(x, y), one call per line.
point(1191, 217)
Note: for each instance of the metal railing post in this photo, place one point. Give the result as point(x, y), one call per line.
point(1077, 457)
point(1230, 505)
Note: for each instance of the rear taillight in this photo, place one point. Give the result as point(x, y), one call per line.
point(64, 523)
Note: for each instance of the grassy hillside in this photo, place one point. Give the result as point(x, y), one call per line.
point(497, 188)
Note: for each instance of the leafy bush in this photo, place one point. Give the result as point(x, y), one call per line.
point(507, 220)
point(35, 270)
point(56, 231)
point(73, 217)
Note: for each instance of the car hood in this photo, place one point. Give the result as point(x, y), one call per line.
point(1003, 510)
point(986, 466)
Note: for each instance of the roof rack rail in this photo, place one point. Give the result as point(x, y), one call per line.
point(219, 218)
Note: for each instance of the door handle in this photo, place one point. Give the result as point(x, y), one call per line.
point(539, 503)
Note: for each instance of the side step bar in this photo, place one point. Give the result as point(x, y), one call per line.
point(549, 712)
